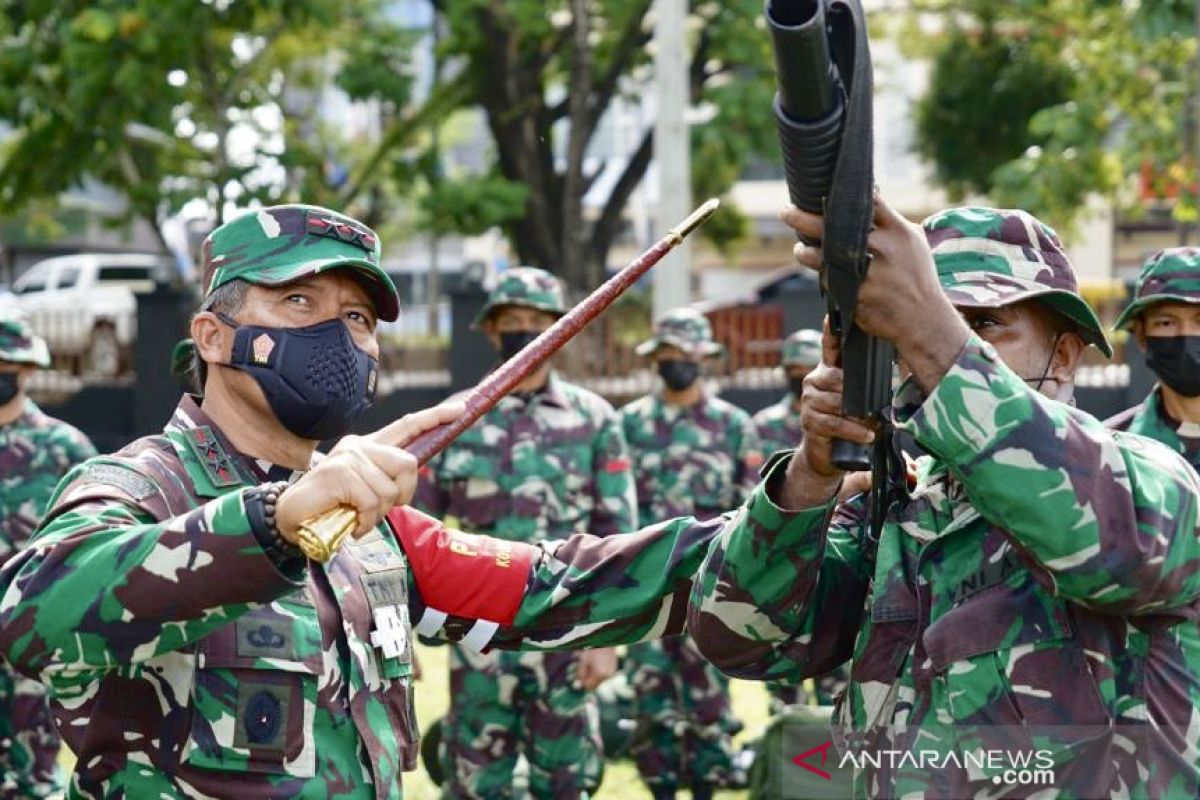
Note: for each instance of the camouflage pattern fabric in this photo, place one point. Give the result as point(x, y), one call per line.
point(19, 344)
point(528, 287)
point(282, 244)
point(802, 348)
point(1150, 418)
point(982, 619)
point(1168, 275)
point(685, 328)
point(988, 257)
point(778, 425)
point(36, 451)
point(534, 468)
point(697, 460)
point(183, 661)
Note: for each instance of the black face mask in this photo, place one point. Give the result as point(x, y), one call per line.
point(678, 374)
point(9, 386)
point(1176, 361)
point(316, 380)
point(513, 342)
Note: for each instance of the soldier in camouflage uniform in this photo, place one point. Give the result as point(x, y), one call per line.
point(36, 451)
point(779, 428)
point(547, 461)
point(1039, 591)
point(693, 454)
point(1165, 319)
point(191, 650)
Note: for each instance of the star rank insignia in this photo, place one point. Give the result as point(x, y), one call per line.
point(319, 224)
point(215, 462)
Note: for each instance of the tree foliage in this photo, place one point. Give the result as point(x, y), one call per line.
point(1125, 111)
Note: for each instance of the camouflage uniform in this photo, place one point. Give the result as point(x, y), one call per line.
point(535, 468)
point(698, 460)
point(1039, 590)
point(36, 451)
point(1170, 275)
point(187, 656)
point(779, 428)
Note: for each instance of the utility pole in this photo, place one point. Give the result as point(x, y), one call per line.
point(672, 154)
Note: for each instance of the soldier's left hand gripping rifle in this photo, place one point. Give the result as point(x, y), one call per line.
point(321, 536)
point(823, 114)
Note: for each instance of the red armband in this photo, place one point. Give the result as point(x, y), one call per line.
point(464, 574)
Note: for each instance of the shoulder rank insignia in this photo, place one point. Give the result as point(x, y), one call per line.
point(217, 464)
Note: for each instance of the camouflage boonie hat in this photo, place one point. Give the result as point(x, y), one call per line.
point(988, 257)
point(1168, 275)
point(802, 348)
point(19, 344)
point(685, 328)
point(282, 244)
point(529, 287)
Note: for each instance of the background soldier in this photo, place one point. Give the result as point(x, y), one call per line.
point(190, 648)
point(547, 461)
point(36, 451)
point(1165, 319)
point(1038, 592)
point(694, 454)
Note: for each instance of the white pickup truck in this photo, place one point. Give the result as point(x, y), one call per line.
point(84, 306)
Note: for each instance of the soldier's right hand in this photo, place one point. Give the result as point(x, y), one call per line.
point(372, 474)
point(812, 477)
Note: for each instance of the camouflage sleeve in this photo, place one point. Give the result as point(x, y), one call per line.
point(74, 446)
point(105, 585)
point(615, 501)
point(1107, 520)
point(781, 593)
point(582, 591)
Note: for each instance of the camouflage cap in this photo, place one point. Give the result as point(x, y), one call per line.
point(281, 244)
point(19, 344)
point(685, 328)
point(529, 287)
point(183, 355)
point(988, 257)
point(1168, 275)
point(802, 348)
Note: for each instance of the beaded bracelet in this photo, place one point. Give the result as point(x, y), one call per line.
point(271, 539)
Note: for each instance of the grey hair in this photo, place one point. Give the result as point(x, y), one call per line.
point(227, 300)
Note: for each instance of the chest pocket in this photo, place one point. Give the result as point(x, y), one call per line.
point(254, 695)
point(1010, 667)
point(470, 475)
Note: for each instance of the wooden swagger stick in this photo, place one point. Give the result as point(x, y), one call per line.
point(321, 536)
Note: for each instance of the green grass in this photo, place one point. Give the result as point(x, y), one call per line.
point(621, 781)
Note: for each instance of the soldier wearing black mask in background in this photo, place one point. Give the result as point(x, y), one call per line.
point(1165, 319)
point(694, 454)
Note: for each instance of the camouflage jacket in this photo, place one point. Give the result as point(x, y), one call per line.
point(1040, 589)
point(536, 468)
point(697, 460)
point(183, 661)
point(36, 451)
point(778, 425)
point(1150, 418)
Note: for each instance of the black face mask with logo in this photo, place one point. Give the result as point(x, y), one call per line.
point(316, 380)
point(1176, 361)
point(9, 386)
point(513, 342)
point(678, 374)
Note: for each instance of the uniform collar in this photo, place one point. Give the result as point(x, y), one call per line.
point(551, 394)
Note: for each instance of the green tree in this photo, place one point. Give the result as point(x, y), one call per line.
point(1126, 107)
point(546, 73)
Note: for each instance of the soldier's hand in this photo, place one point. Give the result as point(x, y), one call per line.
point(901, 286)
point(812, 477)
point(372, 474)
point(596, 666)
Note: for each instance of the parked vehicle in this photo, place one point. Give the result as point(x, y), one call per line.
point(84, 306)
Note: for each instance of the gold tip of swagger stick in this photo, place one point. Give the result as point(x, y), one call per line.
point(321, 537)
point(693, 221)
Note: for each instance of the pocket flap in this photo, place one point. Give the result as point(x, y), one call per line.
point(272, 637)
point(997, 618)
